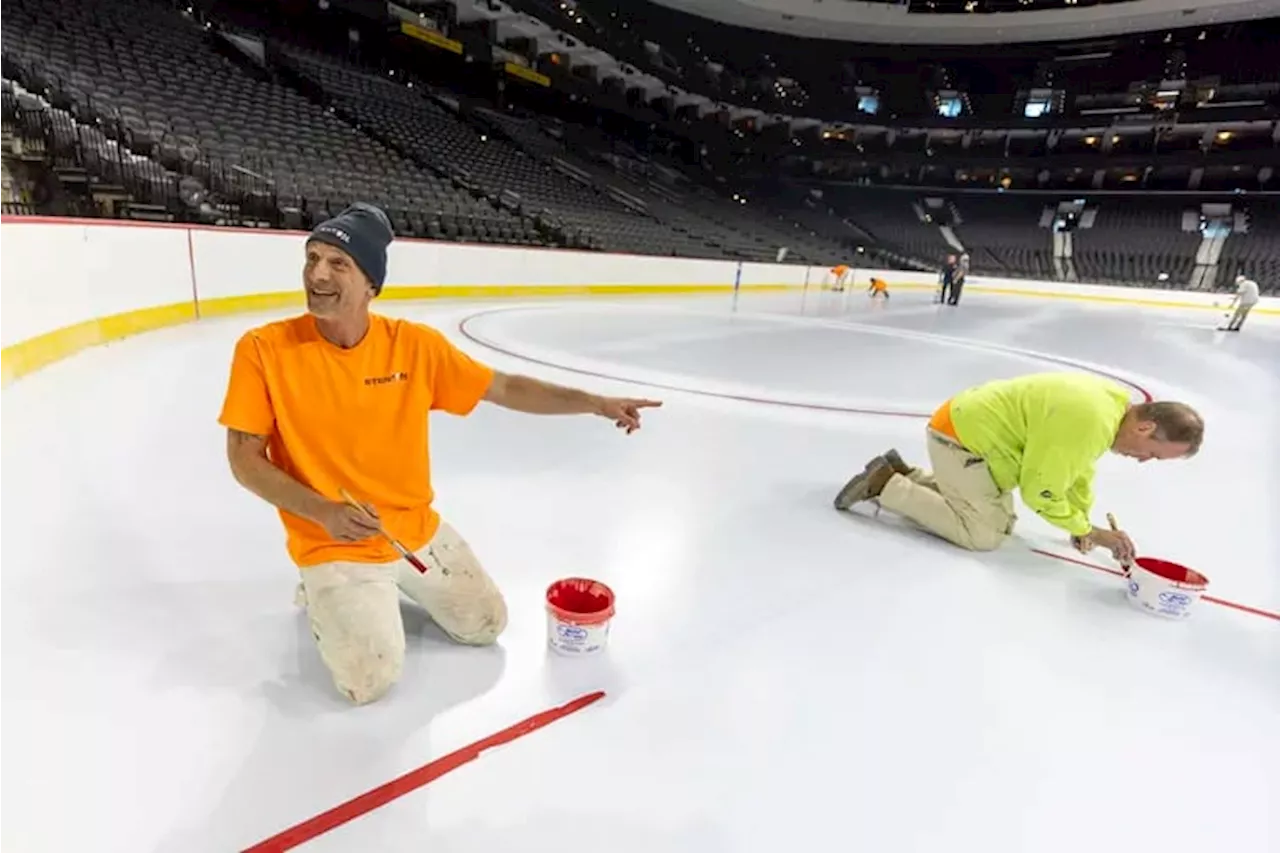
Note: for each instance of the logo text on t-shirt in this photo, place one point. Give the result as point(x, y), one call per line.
point(383, 380)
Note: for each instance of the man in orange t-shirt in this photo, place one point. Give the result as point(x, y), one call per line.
point(337, 400)
point(840, 272)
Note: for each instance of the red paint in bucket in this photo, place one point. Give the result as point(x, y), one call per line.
point(580, 601)
point(1178, 574)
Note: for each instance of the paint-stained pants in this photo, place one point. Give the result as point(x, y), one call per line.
point(354, 610)
point(959, 501)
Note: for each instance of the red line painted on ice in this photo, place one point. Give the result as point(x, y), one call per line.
point(1146, 395)
point(1256, 611)
point(1064, 558)
point(414, 779)
point(1235, 605)
point(767, 401)
point(723, 395)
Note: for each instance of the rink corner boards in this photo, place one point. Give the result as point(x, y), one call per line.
point(28, 356)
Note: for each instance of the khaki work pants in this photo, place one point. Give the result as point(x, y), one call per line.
point(354, 610)
point(1238, 317)
point(959, 501)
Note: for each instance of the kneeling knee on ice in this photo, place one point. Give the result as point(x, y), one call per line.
point(365, 675)
point(477, 622)
point(986, 540)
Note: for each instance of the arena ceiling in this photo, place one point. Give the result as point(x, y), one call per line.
point(894, 22)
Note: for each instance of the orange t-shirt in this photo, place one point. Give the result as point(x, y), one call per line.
point(941, 421)
point(352, 418)
point(840, 270)
point(878, 284)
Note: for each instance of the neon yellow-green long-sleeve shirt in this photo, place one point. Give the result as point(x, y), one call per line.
point(1043, 434)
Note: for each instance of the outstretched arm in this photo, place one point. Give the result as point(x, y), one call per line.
point(526, 394)
point(535, 397)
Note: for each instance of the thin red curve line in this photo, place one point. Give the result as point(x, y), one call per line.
point(1256, 611)
point(743, 398)
point(414, 779)
point(462, 328)
point(722, 395)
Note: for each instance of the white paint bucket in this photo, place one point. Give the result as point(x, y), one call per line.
point(578, 615)
point(1164, 589)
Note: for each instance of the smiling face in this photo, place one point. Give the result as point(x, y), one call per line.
point(336, 288)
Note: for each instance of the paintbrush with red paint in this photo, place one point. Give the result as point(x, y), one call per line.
point(1111, 521)
point(395, 543)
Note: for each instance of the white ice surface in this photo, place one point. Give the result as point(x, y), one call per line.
point(780, 676)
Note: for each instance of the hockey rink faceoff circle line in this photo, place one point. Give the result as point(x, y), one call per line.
point(475, 338)
point(375, 798)
point(466, 330)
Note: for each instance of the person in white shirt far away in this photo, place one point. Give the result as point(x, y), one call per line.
point(1246, 297)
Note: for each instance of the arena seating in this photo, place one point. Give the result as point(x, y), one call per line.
point(419, 126)
point(515, 161)
point(142, 64)
point(1136, 241)
point(139, 99)
point(752, 230)
point(891, 220)
point(1003, 235)
point(1255, 252)
point(341, 134)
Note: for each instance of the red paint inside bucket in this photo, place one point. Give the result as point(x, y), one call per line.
point(1173, 572)
point(581, 601)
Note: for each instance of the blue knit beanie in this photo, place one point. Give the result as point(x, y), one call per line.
point(363, 232)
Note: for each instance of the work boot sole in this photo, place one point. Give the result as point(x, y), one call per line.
point(866, 485)
point(896, 463)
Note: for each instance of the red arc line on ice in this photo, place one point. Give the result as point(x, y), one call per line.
point(1146, 395)
point(488, 343)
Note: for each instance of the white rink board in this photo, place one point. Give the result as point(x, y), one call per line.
point(222, 268)
point(57, 273)
point(1030, 287)
point(54, 276)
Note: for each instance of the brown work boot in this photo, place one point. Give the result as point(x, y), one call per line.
point(895, 462)
point(867, 485)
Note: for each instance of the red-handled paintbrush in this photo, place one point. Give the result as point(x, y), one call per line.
point(404, 552)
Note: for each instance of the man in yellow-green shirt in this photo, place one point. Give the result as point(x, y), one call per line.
point(1040, 434)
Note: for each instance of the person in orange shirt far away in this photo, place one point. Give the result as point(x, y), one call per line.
point(337, 400)
point(840, 273)
point(878, 288)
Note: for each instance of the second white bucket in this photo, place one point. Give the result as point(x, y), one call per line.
point(1164, 589)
